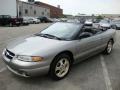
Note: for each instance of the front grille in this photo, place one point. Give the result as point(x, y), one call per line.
point(9, 54)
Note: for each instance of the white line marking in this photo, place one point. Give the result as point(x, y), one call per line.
point(3, 69)
point(106, 75)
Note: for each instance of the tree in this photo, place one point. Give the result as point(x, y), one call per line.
point(99, 17)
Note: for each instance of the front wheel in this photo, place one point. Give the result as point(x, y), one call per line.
point(109, 47)
point(60, 67)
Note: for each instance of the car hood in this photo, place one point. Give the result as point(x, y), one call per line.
point(33, 45)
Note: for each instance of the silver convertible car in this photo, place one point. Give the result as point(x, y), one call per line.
point(55, 49)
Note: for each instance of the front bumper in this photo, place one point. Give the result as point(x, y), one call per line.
point(29, 72)
point(26, 69)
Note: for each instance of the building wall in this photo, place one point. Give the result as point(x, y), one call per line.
point(8, 7)
point(32, 10)
point(55, 12)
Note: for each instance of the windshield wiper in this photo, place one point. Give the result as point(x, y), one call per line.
point(52, 36)
point(48, 36)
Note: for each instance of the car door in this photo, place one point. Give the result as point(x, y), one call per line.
point(88, 46)
point(106, 36)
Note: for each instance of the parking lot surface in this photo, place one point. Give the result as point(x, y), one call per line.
point(100, 72)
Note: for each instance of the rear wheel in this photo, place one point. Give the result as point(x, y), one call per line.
point(60, 67)
point(109, 47)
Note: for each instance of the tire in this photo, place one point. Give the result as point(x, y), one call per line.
point(109, 47)
point(114, 27)
point(60, 67)
point(34, 22)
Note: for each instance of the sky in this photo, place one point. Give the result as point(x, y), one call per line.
point(86, 6)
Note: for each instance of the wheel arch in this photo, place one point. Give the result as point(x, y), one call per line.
point(112, 40)
point(69, 53)
point(52, 65)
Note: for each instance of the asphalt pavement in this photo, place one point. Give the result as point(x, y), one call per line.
point(100, 72)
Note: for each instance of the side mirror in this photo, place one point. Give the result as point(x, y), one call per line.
point(85, 35)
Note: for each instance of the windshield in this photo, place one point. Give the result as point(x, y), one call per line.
point(104, 21)
point(62, 30)
point(116, 22)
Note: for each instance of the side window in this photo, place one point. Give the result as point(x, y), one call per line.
point(89, 30)
point(92, 30)
point(85, 33)
point(26, 11)
point(34, 12)
point(97, 31)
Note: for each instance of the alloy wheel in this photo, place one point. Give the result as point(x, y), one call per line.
point(109, 47)
point(62, 67)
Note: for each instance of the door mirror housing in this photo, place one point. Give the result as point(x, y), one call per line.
point(85, 35)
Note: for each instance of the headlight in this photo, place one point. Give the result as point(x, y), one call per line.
point(29, 58)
